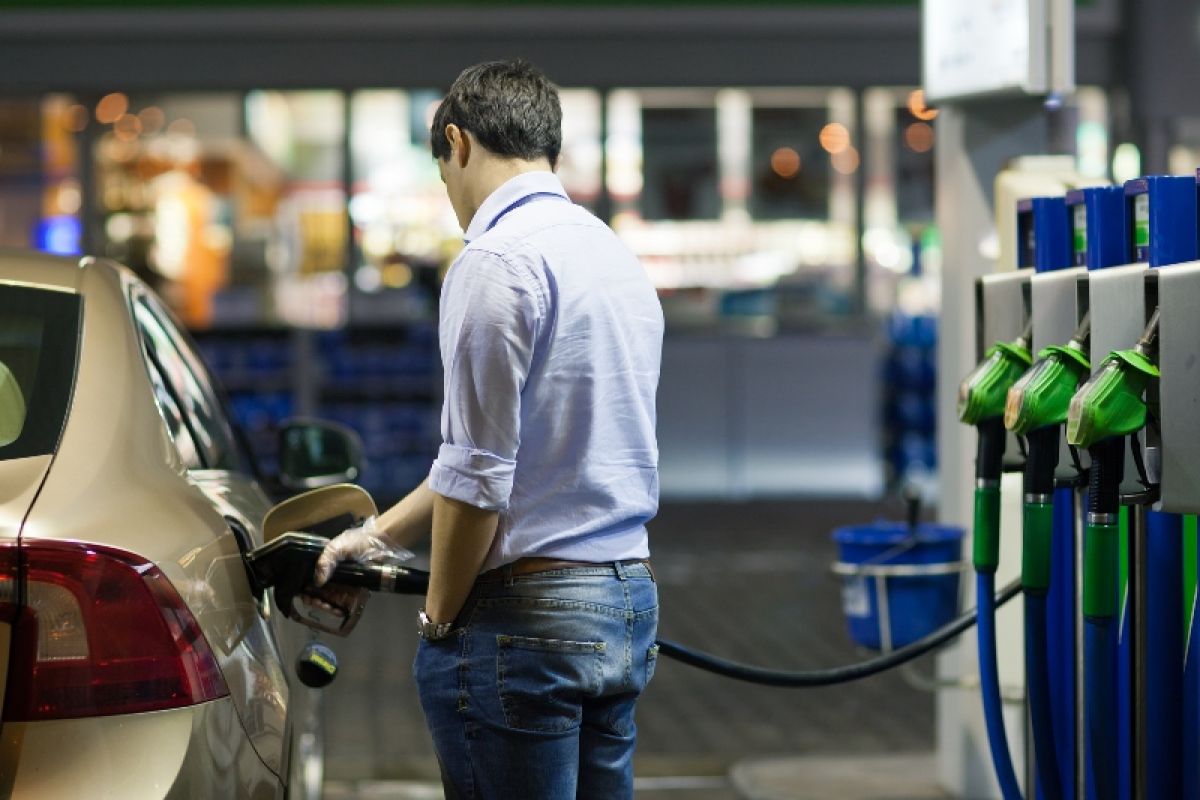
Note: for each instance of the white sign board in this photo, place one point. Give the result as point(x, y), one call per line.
point(977, 47)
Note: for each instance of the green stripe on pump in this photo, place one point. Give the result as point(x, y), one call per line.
point(1101, 567)
point(1036, 546)
point(987, 528)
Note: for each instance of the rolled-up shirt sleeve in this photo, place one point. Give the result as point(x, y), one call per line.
point(490, 315)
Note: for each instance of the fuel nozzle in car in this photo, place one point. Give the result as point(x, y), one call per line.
point(296, 532)
point(287, 562)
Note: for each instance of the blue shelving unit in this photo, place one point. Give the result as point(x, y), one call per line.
point(384, 381)
point(910, 385)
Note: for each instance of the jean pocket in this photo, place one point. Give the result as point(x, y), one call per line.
point(542, 682)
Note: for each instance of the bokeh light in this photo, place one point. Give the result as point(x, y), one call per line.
point(846, 162)
point(111, 107)
point(834, 137)
point(785, 162)
point(918, 137)
point(918, 108)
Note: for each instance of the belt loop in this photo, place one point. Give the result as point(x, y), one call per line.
point(619, 567)
point(508, 575)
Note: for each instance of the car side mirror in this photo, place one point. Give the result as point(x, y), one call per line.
point(316, 453)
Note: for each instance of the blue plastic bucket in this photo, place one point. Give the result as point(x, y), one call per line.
point(917, 605)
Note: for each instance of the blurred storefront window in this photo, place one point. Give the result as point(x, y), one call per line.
point(901, 248)
point(404, 229)
point(40, 193)
point(311, 207)
point(741, 202)
point(175, 188)
point(303, 135)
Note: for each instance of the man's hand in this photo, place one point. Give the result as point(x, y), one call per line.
point(362, 543)
point(339, 602)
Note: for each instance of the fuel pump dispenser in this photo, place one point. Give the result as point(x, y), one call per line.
point(1092, 220)
point(1178, 291)
point(1036, 409)
point(1115, 408)
point(1044, 237)
point(1002, 300)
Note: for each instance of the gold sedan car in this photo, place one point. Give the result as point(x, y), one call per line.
point(141, 658)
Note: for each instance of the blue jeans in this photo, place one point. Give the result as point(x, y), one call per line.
point(532, 695)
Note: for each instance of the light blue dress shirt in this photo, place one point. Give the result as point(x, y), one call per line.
point(551, 340)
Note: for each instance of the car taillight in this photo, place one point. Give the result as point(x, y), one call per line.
point(100, 631)
point(8, 584)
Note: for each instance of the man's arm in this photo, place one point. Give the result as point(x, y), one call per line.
point(407, 522)
point(462, 536)
point(488, 321)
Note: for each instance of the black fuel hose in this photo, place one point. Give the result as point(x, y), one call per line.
point(416, 581)
point(832, 675)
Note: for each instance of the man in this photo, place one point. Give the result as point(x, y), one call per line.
point(539, 623)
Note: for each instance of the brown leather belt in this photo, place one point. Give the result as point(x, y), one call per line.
point(534, 564)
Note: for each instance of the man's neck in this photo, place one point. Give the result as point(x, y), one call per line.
point(496, 172)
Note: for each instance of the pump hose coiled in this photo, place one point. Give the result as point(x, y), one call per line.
point(1100, 585)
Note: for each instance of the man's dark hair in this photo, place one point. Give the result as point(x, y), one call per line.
point(510, 107)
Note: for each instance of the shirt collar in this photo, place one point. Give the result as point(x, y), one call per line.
point(511, 191)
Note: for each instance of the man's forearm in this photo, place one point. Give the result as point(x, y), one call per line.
point(462, 537)
point(410, 520)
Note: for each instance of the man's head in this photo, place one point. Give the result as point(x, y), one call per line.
point(499, 118)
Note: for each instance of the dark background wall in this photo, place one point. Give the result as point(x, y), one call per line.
point(305, 46)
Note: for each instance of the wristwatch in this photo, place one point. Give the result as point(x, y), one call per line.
point(432, 631)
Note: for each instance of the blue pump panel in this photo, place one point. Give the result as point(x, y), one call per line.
point(1100, 233)
point(1043, 234)
point(1161, 219)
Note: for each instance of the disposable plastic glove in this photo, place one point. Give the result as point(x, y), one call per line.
point(361, 543)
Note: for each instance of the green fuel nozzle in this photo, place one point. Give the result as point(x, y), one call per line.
point(983, 392)
point(1042, 396)
point(1111, 403)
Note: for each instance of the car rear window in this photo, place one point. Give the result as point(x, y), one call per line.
point(39, 350)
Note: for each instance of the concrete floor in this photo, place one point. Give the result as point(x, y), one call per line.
point(746, 581)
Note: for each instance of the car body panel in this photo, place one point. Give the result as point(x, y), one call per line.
point(19, 483)
point(198, 751)
point(28, 268)
point(116, 458)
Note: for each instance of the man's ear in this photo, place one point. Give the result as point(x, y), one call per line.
point(460, 144)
